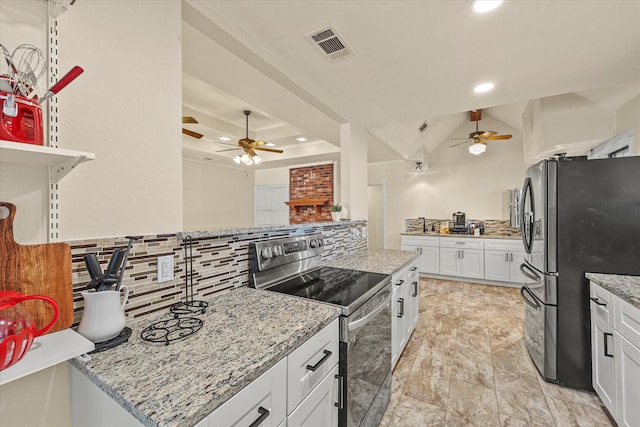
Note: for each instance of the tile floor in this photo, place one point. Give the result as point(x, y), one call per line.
point(466, 365)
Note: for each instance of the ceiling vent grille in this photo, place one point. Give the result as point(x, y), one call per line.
point(330, 42)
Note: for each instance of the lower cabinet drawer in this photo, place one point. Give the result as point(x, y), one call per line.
point(628, 321)
point(320, 407)
point(310, 363)
point(601, 302)
point(264, 399)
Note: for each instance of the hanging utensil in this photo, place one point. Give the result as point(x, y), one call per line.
point(62, 83)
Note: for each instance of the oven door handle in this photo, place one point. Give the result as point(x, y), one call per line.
point(361, 322)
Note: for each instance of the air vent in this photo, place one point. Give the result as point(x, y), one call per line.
point(330, 42)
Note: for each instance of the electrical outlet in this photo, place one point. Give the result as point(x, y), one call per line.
point(165, 268)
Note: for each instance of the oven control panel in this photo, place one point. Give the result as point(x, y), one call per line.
point(269, 254)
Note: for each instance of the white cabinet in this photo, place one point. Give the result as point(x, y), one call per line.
point(502, 259)
point(302, 389)
point(319, 407)
point(428, 249)
point(404, 308)
point(615, 342)
point(463, 257)
point(263, 402)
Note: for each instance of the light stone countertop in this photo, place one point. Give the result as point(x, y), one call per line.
point(200, 234)
point(384, 261)
point(470, 236)
point(245, 332)
point(625, 287)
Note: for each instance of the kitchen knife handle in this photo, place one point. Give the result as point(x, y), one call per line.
point(313, 368)
point(264, 413)
point(606, 344)
point(93, 266)
point(115, 261)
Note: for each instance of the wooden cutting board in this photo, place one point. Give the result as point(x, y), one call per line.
point(36, 270)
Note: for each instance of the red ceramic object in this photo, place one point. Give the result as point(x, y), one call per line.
point(17, 328)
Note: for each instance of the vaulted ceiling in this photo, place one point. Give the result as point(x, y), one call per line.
point(413, 61)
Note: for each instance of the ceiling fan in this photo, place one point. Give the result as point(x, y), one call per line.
point(479, 137)
point(247, 144)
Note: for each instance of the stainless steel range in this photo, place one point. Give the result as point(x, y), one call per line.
point(291, 266)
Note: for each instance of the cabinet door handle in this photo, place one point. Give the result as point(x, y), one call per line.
point(327, 354)
point(399, 282)
point(606, 344)
point(415, 268)
point(506, 257)
point(401, 307)
point(511, 257)
point(264, 413)
point(415, 289)
point(597, 301)
point(419, 249)
point(340, 403)
point(462, 252)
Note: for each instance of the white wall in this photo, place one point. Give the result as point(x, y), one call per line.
point(455, 181)
point(276, 176)
point(125, 108)
point(217, 197)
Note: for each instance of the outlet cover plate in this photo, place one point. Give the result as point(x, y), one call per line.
point(165, 268)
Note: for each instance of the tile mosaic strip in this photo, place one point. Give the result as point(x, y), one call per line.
point(491, 226)
point(220, 261)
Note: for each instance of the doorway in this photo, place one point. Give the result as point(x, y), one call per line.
point(377, 216)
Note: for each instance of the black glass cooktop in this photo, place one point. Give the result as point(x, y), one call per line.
point(346, 288)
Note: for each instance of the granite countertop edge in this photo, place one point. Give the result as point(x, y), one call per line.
point(242, 375)
point(382, 261)
point(470, 236)
point(625, 287)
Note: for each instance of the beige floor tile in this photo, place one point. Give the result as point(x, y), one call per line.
point(471, 404)
point(413, 412)
point(571, 414)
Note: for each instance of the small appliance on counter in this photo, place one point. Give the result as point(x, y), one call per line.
point(460, 226)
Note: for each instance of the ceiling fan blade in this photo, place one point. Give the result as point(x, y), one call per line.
point(459, 143)
point(452, 139)
point(271, 150)
point(486, 134)
point(228, 145)
point(192, 134)
point(188, 119)
point(228, 149)
point(493, 137)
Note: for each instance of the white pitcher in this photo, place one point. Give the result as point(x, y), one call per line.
point(103, 316)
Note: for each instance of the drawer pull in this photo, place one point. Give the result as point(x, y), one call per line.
point(340, 403)
point(597, 301)
point(606, 344)
point(264, 413)
point(401, 307)
point(399, 282)
point(415, 289)
point(327, 354)
point(414, 268)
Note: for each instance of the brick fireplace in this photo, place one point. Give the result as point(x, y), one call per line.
point(310, 193)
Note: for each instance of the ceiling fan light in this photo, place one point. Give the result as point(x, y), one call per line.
point(301, 139)
point(256, 159)
point(483, 6)
point(237, 159)
point(477, 148)
point(225, 138)
point(270, 144)
point(245, 158)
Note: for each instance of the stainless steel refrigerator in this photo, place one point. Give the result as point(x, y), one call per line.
point(576, 215)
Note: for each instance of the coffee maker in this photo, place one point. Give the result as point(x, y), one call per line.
point(460, 223)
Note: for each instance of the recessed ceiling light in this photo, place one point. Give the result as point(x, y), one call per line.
point(484, 87)
point(482, 6)
point(224, 138)
point(270, 144)
point(301, 139)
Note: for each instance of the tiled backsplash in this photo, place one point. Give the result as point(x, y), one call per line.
point(491, 226)
point(220, 262)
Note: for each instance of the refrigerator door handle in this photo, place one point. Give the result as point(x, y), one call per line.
point(529, 272)
point(527, 219)
point(535, 304)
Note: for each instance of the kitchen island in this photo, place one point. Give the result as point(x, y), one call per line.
point(245, 332)
point(383, 261)
point(626, 288)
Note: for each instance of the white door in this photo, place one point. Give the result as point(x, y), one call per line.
point(603, 362)
point(449, 265)
point(270, 207)
point(628, 395)
point(496, 265)
point(472, 263)
point(430, 260)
